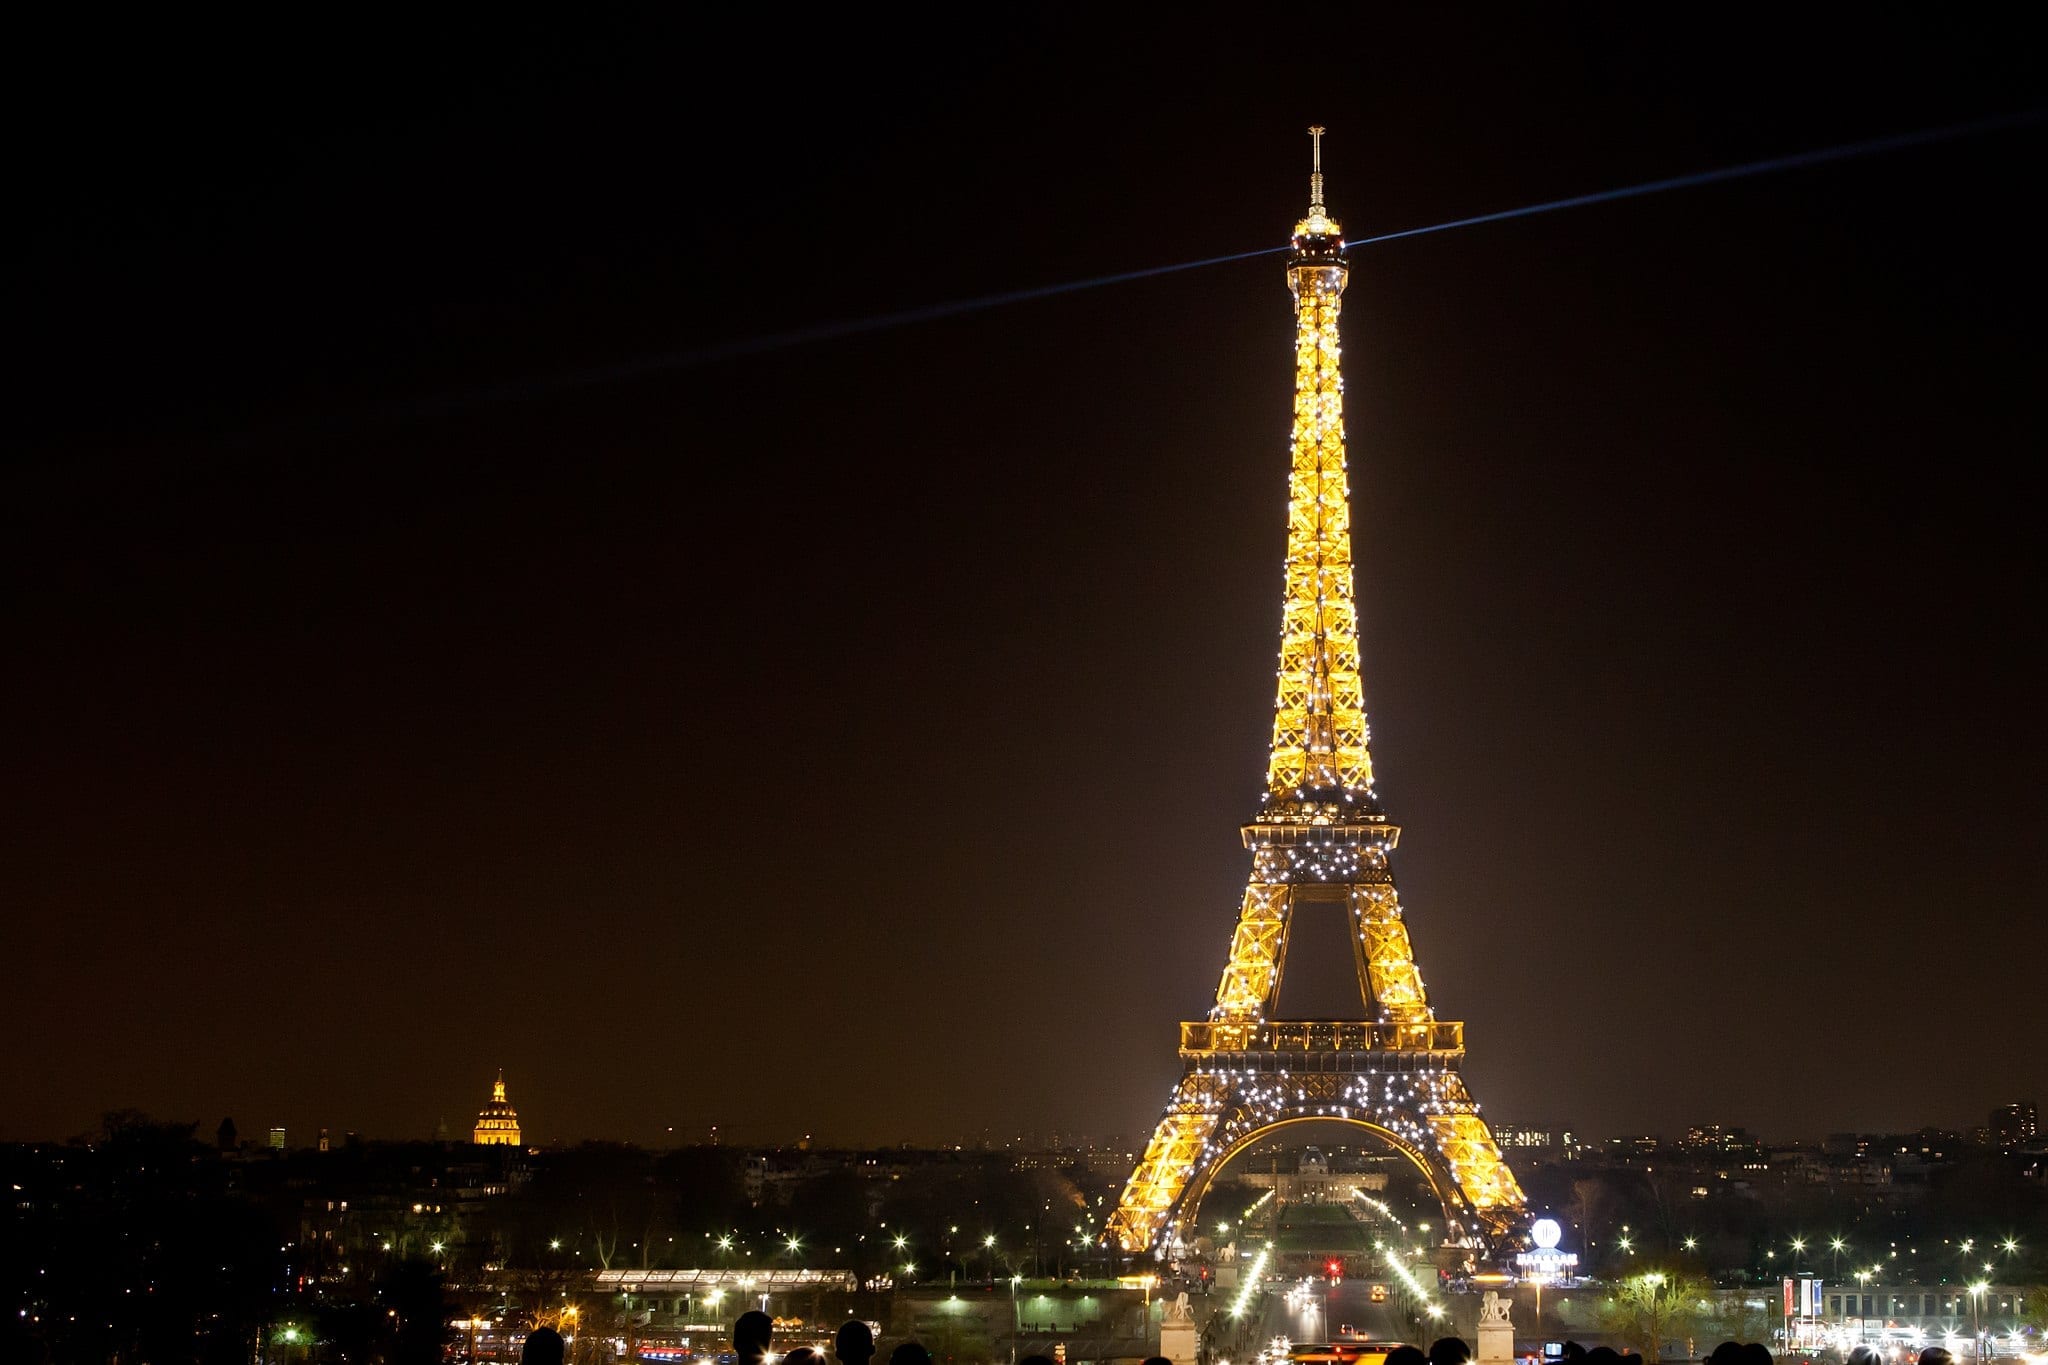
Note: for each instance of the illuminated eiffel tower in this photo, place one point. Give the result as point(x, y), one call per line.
point(1320, 838)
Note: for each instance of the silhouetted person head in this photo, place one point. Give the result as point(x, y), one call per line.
point(910, 1353)
point(1863, 1355)
point(1727, 1353)
point(543, 1347)
point(1449, 1351)
point(1936, 1355)
point(1406, 1355)
point(1603, 1355)
point(1574, 1351)
point(855, 1344)
point(802, 1355)
point(1631, 1358)
point(1157, 1360)
point(750, 1333)
point(1755, 1353)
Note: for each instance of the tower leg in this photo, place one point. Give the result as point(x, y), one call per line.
point(1474, 1158)
point(1172, 1154)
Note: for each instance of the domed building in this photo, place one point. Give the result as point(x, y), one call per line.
point(497, 1123)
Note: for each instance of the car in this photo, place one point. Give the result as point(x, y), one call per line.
point(1379, 1293)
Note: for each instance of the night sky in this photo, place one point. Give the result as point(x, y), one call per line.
point(422, 660)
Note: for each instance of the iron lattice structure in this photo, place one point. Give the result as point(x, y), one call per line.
point(1320, 837)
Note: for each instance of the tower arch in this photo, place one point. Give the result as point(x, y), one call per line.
point(1187, 1216)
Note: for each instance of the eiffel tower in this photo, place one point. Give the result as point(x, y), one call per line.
point(1319, 838)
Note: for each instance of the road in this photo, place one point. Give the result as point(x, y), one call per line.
point(1319, 1315)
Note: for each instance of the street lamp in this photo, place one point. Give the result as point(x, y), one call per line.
point(1976, 1328)
point(1014, 1280)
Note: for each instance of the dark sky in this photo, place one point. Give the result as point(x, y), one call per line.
point(852, 737)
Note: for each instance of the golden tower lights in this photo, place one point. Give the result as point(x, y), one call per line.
point(1319, 837)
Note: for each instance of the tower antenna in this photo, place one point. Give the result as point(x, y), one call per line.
point(1315, 180)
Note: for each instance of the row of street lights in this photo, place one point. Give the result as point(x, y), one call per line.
point(2010, 1246)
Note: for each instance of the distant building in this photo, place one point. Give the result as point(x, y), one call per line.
point(2014, 1124)
point(497, 1123)
point(1634, 1145)
point(277, 1139)
point(1879, 1313)
point(1714, 1139)
point(1559, 1142)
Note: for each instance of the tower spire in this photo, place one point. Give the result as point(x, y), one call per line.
point(1318, 224)
point(1315, 180)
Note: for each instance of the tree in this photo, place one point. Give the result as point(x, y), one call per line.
point(137, 1245)
point(1740, 1315)
point(415, 1297)
point(2034, 1309)
point(1657, 1306)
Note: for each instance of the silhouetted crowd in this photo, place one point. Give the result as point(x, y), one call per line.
point(855, 1345)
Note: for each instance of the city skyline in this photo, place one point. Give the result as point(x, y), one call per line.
point(452, 644)
point(456, 1127)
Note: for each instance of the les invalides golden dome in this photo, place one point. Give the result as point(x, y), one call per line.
point(497, 1123)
